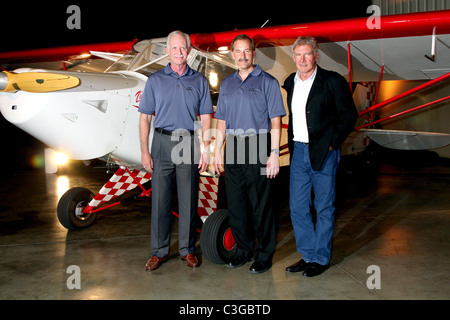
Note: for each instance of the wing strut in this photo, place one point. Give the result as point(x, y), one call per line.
point(404, 112)
point(433, 47)
point(349, 59)
point(405, 94)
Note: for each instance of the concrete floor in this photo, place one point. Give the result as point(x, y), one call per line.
point(398, 221)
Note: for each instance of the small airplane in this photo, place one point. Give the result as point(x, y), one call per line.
point(94, 115)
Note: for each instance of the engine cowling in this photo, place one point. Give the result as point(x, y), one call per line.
point(85, 121)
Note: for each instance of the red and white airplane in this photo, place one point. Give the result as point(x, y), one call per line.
point(90, 115)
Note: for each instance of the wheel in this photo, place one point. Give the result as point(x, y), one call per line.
point(216, 239)
point(70, 209)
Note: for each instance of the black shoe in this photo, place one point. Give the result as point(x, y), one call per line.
point(259, 267)
point(315, 269)
point(237, 262)
point(298, 266)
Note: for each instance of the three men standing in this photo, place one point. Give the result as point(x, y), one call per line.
point(249, 111)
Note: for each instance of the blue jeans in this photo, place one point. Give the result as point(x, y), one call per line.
point(314, 243)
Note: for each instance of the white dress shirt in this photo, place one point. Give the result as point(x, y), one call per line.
point(299, 98)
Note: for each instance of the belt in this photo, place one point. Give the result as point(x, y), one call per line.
point(180, 132)
point(305, 143)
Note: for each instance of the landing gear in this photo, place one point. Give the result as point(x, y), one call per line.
point(78, 207)
point(70, 209)
point(216, 240)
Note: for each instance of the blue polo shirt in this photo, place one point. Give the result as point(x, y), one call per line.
point(249, 105)
point(176, 100)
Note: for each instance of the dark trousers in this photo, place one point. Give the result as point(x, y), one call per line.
point(169, 171)
point(249, 197)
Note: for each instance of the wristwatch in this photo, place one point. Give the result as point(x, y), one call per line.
point(276, 151)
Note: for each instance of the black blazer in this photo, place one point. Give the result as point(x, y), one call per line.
point(330, 114)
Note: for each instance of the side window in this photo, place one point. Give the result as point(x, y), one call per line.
point(214, 71)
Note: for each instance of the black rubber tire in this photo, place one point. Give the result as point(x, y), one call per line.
point(212, 238)
point(70, 206)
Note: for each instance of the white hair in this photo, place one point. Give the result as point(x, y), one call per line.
point(179, 33)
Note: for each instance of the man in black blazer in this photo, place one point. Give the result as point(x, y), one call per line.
point(322, 114)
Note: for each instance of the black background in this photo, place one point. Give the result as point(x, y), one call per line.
point(43, 24)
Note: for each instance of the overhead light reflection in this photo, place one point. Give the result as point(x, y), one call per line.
point(213, 79)
point(61, 158)
point(53, 160)
point(223, 50)
point(85, 55)
point(62, 185)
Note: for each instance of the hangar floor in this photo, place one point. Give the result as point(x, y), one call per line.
point(398, 220)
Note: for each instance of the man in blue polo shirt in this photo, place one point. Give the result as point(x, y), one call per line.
point(176, 95)
point(249, 112)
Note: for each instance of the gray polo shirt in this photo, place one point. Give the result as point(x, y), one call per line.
point(248, 106)
point(176, 100)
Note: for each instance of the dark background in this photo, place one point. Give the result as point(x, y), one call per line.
point(43, 24)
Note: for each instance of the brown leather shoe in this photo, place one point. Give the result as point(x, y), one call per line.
point(191, 260)
point(154, 263)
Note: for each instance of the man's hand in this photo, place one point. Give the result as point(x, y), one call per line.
point(273, 165)
point(218, 163)
point(204, 162)
point(147, 161)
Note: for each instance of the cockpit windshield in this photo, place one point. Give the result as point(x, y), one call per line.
point(149, 56)
point(145, 57)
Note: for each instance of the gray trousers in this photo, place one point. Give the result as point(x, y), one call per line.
point(168, 173)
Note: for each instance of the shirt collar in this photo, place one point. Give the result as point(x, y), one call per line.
point(168, 70)
point(311, 78)
point(255, 72)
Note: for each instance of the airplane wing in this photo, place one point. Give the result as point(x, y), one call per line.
point(393, 26)
point(60, 53)
point(413, 47)
point(407, 46)
point(408, 140)
point(400, 43)
point(66, 57)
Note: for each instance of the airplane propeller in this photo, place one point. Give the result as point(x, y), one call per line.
point(36, 81)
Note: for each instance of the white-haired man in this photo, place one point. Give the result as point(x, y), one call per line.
point(176, 95)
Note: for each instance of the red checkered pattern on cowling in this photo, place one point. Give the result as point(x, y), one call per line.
point(207, 195)
point(370, 92)
point(121, 182)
